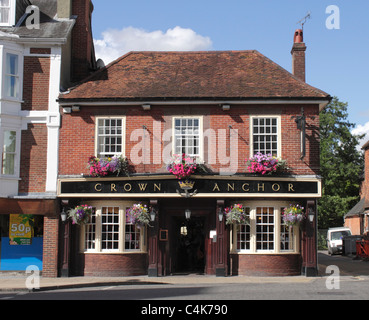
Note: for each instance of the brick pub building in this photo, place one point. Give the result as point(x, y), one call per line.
point(45, 46)
point(221, 107)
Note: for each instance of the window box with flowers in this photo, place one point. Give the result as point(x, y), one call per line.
point(266, 164)
point(108, 166)
point(182, 166)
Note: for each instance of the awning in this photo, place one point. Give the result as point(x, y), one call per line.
point(45, 207)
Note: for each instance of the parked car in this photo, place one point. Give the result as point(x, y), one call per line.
point(334, 239)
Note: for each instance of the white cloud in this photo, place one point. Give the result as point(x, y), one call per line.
point(115, 43)
point(362, 129)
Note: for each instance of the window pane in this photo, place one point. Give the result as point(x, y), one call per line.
point(187, 136)
point(90, 232)
point(110, 137)
point(110, 228)
point(4, 15)
point(11, 64)
point(132, 237)
point(264, 228)
point(8, 166)
point(287, 236)
point(243, 234)
point(9, 141)
point(265, 131)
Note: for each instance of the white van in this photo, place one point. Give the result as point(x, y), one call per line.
point(334, 239)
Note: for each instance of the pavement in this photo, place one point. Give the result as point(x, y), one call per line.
point(22, 282)
point(14, 282)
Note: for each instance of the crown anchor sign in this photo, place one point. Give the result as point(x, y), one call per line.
point(186, 185)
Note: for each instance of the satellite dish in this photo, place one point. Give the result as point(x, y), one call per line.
point(100, 64)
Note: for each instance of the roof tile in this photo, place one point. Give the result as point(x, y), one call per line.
point(192, 75)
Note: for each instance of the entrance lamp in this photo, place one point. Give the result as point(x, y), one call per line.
point(63, 215)
point(311, 215)
point(188, 214)
point(152, 215)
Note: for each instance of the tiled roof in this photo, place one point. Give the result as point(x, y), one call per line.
point(231, 75)
point(50, 26)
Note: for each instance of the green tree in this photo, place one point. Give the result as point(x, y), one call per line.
point(341, 165)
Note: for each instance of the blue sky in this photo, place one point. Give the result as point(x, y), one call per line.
point(337, 59)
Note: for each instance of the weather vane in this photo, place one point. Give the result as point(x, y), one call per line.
point(304, 19)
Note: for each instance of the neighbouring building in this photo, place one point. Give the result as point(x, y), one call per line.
point(220, 107)
point(45, 46)
point(357, 219)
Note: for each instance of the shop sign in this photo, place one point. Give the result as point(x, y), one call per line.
point(20, 229)
point(204, 187)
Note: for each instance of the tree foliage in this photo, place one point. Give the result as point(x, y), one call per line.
point(341, 163)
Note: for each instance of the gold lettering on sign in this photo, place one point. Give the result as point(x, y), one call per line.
point(98, 187)
point(261, 187)
point(127, 187)
point(216, 187)
point(113, 187)
point(142, 186)
point(231, 186)
point(244, 187)
point(276, 187)
point(157, 187)
point(291, 187)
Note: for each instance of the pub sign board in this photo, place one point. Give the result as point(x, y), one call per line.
point(210, 186)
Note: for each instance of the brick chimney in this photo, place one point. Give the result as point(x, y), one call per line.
point(298, 55)
point(83, 53)
point(64, 9)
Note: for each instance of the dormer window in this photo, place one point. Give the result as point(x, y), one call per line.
point(7, 12)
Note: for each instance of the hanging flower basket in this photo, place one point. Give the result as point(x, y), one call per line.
point(236, 215)
point(265, 164)
point(138, 215)
point(182, 166)
point(101, 167)
point(81, 214)
point(293, 215)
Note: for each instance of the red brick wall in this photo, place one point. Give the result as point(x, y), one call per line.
point(82, 57)
point(354, 223)
point(115, 265)
point(50, 250)
point(77, 135)
point(36, 83)
point(266, 265)
point(33, 159)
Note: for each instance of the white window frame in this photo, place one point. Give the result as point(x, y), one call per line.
point(19, 76)
point(16, 153)
point(200, 155)
point(123, 137)
point(277, 207)
point(11, 20)
point(279, 133)
point(98, 206)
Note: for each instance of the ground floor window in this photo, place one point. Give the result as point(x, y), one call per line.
point(109, 231)
point(266, 232)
